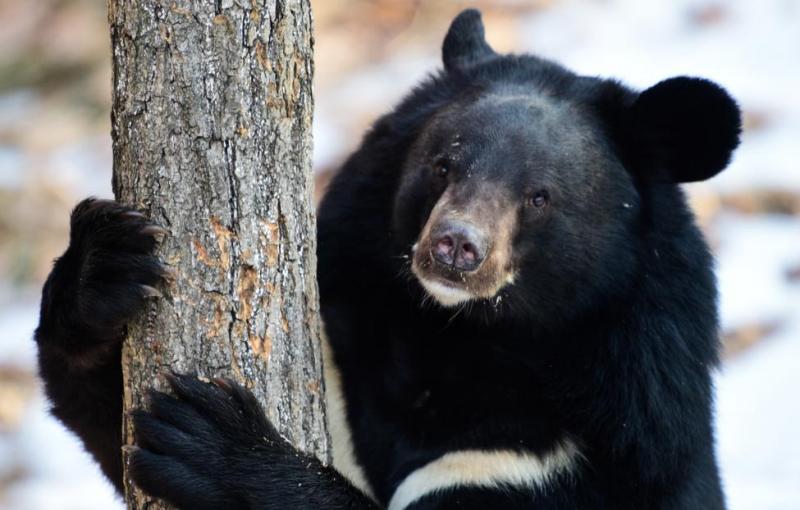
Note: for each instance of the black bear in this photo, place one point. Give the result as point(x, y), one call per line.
point(518, 304)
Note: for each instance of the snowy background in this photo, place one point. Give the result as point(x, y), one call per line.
point(55, 149)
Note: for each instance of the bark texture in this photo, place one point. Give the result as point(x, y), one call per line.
point(211, 125)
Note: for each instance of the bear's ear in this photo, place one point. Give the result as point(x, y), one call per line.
point(465, 42)
point(683, 129)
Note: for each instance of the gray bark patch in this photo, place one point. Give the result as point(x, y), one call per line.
point(211, 126)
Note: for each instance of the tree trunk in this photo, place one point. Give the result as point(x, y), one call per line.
point(211, 124)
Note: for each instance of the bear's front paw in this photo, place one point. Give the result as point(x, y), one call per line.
point(108, 270)
point(205, 447)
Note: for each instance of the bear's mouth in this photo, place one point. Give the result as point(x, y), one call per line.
point(445, 292)
point(440, 281)
point(450, 287)
point(464, 250)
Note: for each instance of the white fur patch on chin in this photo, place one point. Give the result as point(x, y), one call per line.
point(444, 294)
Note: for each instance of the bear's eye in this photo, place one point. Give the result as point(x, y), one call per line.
point(440, 169)
point(538, 199)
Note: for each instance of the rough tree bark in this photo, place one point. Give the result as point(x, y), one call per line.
point(211, 125)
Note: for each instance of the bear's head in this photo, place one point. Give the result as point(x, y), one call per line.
point(530, 184)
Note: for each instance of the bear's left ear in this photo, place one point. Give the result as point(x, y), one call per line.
point(465, 42)
point(683, 129)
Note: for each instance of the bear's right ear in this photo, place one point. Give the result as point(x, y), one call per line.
point(465, 42)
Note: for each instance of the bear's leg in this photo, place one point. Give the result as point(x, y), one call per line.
point(100, 282)
point(210, 446)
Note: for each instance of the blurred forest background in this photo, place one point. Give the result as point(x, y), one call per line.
point(55, 148)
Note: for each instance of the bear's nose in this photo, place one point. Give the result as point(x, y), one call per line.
point(459, 246)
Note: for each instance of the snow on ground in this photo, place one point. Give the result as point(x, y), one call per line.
point(751, 47)
point(757, 422)
point(754, 255)
point(757, 392)
point(61, 475)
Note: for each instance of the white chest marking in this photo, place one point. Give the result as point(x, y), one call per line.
point(487, 469)
point(344, 458)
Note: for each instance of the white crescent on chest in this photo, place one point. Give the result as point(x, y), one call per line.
point(489, 469)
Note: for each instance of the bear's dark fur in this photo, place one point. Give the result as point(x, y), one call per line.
point(506, 264)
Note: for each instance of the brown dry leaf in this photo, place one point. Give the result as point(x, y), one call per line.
point(709, 14)
point(705, 203)
point(16, 390)
point(321, 180)
point(764, 201)
point(11, 477)
point(754, 120)
point(793, 274)
point(740, 339)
